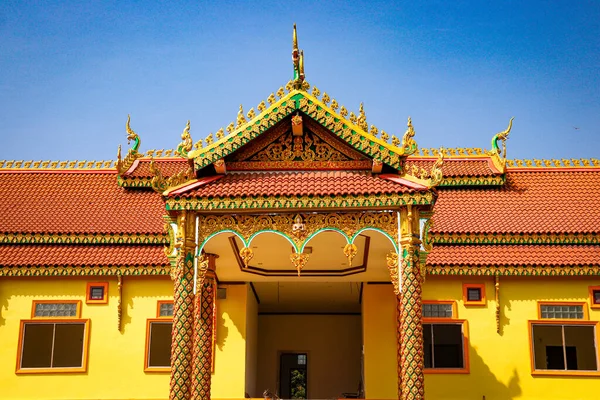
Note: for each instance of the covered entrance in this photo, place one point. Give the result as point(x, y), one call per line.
point(304, 203)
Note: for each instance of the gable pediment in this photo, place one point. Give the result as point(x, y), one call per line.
point(305, 146)
point(353, 134)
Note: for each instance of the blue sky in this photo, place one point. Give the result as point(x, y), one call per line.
point(70, 72)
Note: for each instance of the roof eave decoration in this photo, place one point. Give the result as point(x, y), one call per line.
point(499, 154)
point(163, 185)
point(123, 165)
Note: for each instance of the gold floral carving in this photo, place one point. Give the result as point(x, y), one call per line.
point(119, 299)
point(299, 260)
point(203, 267)
point(246, 254)
point(350, 251)
point(392, 264)
point(554, 163)
point(248, 224)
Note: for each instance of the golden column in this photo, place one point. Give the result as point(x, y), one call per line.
point(182, 274)
point(204, 304)
point(411, 379)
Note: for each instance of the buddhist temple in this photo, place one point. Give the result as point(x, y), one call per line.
point(300, 252)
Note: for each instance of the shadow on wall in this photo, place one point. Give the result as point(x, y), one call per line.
point(222, 330)
point(479, 384)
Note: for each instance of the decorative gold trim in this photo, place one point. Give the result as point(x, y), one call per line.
point(70, 270)
point(493, 270)
point(392, 265)
point(515, 238)
point(497, 298)
point(57, 165)
point(83, 238)
point(299, 202)
point(591, 163)
point(119, 299)
point(299, 261)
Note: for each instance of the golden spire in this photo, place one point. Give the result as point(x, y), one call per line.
point(302, 65)
point(298, 60)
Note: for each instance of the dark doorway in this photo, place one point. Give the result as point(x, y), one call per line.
point(293, 376)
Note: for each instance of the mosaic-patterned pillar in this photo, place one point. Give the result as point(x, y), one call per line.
point(203, 333)
point(411, 377)
point(399, 341)
point(183, 306)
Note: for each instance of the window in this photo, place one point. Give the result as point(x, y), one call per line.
point(165, 309)
point(564, 348)
point(474, 294)
point(571, 310)
point(439, 309)
point(56, 309)
point(158, 338)
point(52, 346)
point(445, 347)
point(595, 296)
point(158, 345)
point(97, 293)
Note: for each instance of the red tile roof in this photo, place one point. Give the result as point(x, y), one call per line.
point(76, 202)
point(458, 167)
point(298, 183)
point(81, 255)
point(541, 255)
point(530, 202)
point(167, 166)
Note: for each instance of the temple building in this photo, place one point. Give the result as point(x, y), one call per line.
point(301, 252)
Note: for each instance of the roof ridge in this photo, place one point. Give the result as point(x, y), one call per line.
point(57, 165)
point(553, 163)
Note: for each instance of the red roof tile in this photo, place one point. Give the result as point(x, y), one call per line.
point(530, 202)
point(72, 202)
point(458, 167)
point(298, 183)
point(167, 166)
point(81, 255)
point(541, 255)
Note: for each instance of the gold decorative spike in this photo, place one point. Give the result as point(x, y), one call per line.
point(289, 86)
point(352, 118)
point(408, 143)
point(374, 131)
point(350, 251)
point(281, 92)
point(325, 99)
point(271, 99)
point(316, 92)
point(198, 144)
point(384, 136)
point(251, 114)
point(262, 106)
point(246, 255)
point(392, 264)
point(119, 297)
point(436, 169)
point(305, 86)
point(131, 135)
point(361, 121)
point(220, 134)
point(396, 141)
point(186, 142)
point(302, 66)
point(299, 260)
point(241, 120)
point(343, 112)
point(334, 105)
point(209, 139)
point(230, 128)
point(297, 126)
point(158, 182)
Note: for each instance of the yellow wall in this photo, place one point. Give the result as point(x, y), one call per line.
point(500, 366)
point(379, 340)
point(332, 344)
point(115, 359)
point(251, 344)
point(229, 379)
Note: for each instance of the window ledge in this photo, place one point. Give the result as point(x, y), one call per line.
point(446, 371)
point(565, 373)
point(50, 370)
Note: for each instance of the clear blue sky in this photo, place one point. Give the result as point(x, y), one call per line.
point(70, 72)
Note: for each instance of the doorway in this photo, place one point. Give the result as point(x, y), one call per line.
point(293, 373)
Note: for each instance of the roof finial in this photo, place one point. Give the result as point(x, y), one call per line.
point(298, 60)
